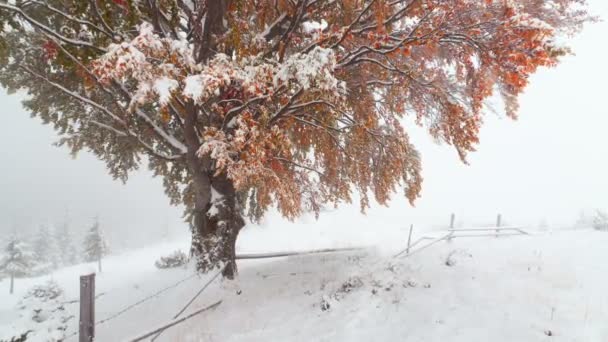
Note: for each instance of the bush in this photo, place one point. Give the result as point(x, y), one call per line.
point(41, 316)
point(175, 259)
point(600, 221)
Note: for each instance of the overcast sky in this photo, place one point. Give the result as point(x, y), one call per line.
point(41, 183)
point(550, 164)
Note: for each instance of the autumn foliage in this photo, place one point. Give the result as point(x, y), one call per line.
point(293, 103)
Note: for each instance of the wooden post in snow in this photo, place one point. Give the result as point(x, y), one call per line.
point(409, 239)
point(452, 220)
point(12, 289)
point(86, 325)
point(498, 222)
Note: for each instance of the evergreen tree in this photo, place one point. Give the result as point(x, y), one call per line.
point(63, 237)
point(94, 244)
point(584, 220)
point(600, 220)
point(17, 260)
point(45, 249)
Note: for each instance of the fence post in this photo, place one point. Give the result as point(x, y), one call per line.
point(498, 222)
point(409, 239)
point(452, 220)
point(86, 328)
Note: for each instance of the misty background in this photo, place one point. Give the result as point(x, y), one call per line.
point(550, 165)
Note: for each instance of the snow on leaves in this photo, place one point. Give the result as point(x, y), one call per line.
point(176, 73)
point(315, 67)
point(245, 146)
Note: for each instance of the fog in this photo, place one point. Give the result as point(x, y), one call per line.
point(42, 184)
point(549, 165)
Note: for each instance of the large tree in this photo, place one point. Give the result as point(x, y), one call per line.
point(240, 105)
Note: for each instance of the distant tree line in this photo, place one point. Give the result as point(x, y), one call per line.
point(50, 248)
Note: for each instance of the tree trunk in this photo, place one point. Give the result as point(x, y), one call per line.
point(216, 216)
point(213, 25)
point(12, 283)
point(217, 229)
point(99, 264)
point(216, 219)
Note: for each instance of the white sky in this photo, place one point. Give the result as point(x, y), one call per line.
point(40, 182)
point(551, 163)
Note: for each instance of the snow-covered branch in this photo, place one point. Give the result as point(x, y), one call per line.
point(75, 95)
point(44, 28)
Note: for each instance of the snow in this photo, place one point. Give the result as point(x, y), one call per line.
point(193, 86)
point(310, 70)
point(163, 87)
point(41, 312)
point(218, 73)
point(217, 149)
point(305, 68)
point(216, 200)
point(505, 289)
point(312, 26)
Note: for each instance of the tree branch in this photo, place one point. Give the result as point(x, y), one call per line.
point(46, 29)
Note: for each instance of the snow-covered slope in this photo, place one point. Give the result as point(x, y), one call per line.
point(544, 287)
point(539, 288)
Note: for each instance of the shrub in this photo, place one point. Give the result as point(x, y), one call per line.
point(175, 259)
point(600, 221)
point(41, 316)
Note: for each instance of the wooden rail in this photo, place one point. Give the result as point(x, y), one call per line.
point(285, 253)
point(174, 322)
point(491, 229)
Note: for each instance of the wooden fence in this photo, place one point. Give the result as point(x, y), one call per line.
point(86, 324)
point(453, 233)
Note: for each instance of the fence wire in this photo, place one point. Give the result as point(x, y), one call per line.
point(139, 302)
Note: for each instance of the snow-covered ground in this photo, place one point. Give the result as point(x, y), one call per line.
point(550, 286)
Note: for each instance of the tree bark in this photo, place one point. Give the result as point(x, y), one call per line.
point(12, 283)
point(212, 25)
point(217, 229)
point(216, 219)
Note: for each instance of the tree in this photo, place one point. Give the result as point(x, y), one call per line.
point(242, 105)
point(600, 220)
point(17, 260)
point(94, 245)
point(45, 249)
point(63, 238)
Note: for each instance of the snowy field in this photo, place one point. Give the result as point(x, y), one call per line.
point(549, 286)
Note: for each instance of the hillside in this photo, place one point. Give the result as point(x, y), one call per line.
point(543, 287)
